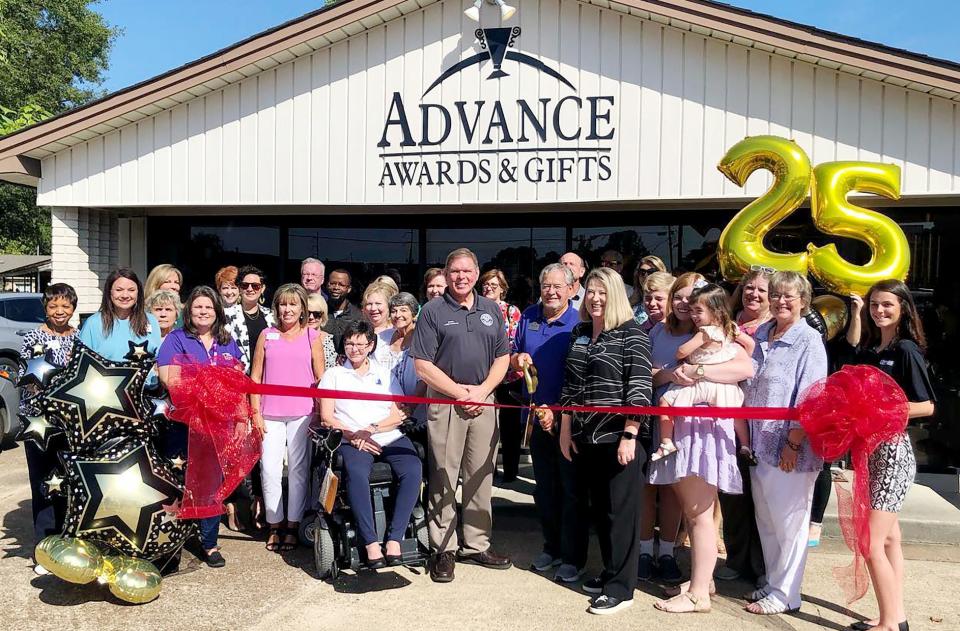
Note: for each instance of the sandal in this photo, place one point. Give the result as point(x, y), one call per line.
point(666, 449)
point(273, 539)
point(747, 455)
point(232, 522)
point(769, 606)
point(684, 587)
point(685, 602)
point(757, 594)
point(290, 541)
point(256, 514)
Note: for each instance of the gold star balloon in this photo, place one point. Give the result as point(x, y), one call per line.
point(38, 429)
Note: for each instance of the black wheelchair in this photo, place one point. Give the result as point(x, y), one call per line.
point(334, 535)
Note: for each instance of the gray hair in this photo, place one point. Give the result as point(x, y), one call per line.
point(404, 299)
point(781, 280)
point(558, 267)
point(312, 261)
point(163, 297)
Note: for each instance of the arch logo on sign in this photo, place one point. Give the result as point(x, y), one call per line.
point(533, 138)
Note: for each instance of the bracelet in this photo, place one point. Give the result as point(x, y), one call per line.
point(793, 446)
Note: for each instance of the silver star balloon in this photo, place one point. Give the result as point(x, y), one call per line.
point(177, 462)
point(38, 429)
point(54, 482)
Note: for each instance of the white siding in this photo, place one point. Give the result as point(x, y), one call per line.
point(305, 132)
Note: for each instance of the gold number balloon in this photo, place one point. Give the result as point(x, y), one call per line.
point(741, 243)
point(834, 312)
point(834, 214)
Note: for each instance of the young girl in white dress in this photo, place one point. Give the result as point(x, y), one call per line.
point(715, 342)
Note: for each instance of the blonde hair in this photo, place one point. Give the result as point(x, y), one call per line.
point(315, 302)
point(685, 280)
point(158, 275)
point(285, 291)
point(795, 281)
point(656, 261)
point(659, 281)
point(617, 309)
point(386, 280)
point(383, 289)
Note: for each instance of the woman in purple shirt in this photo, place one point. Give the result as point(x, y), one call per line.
point(204, 339)
point(789, 357)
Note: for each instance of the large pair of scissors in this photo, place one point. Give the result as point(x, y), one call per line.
point(530, 378)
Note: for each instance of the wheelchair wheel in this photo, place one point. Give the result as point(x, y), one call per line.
point(308, 529)
point(324, 552)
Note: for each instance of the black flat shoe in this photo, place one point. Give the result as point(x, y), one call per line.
point(377, 564)
point(866, 626)
point(394, 560)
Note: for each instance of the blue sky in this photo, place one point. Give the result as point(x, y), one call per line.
point(157, 37)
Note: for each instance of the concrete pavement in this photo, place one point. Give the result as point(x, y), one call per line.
point(262, 590)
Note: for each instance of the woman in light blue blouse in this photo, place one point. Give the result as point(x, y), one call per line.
point(121, 323)
point(789, 357)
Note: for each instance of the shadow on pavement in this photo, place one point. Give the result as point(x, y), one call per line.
point(18, 525)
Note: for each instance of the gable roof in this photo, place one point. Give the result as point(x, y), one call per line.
point(20, 152)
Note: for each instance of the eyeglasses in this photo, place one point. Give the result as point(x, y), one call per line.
point(356, 344)
point(786, 298)
point(553, 287)
point(316, 315)
point(762, 268)
point(253, 286)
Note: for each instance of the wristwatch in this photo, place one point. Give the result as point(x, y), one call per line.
point(628, 435)
point(700, 371)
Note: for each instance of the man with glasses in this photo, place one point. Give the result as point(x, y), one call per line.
point(574, 262)
point(341, 311)
point(311, 276)
point(542, 340)
point(461, 352)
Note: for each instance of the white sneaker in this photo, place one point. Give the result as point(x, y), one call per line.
point(544, 562)
point(39, 570)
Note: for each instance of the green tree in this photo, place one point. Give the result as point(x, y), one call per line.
point(53, 54)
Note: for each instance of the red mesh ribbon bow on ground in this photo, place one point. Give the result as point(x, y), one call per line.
point(854, 409)
point(223, 447)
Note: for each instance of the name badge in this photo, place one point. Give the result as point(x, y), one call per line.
point(53, 345)
point(273, 336)
point(583, 340)
point(887, 362)
point(534, 326)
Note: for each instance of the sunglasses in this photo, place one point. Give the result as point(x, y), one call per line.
point(762, 268)
point(646, 270)
point(316, 315)
point(253, 286)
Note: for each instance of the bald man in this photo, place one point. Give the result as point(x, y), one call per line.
point(573, 262)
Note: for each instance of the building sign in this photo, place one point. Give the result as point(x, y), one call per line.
point(534, 139)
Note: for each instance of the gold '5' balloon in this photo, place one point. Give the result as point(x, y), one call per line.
point(741, 244)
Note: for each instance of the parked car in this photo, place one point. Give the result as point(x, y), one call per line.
point(19, 312)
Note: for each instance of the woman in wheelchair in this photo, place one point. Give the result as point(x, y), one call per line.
point(371, 430)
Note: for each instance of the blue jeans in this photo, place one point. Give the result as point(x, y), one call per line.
point(173, 442)
point(407, 470)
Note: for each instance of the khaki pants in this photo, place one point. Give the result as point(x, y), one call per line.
point(459, 446)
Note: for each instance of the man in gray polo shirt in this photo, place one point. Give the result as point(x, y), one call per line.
point(461, 352)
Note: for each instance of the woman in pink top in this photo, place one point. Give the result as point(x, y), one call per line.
point(290, 354)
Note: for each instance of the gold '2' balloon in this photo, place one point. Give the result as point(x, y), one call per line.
point(834, 214)
point(741, 243)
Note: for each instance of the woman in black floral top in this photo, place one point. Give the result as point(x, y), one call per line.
point(53, 339)
point(608, 364)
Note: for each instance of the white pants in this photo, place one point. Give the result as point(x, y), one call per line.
point(782, 502)
point(290, 433)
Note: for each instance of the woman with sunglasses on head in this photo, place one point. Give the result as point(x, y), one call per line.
point(248, 317)
point(648, 265)
point(893, 341)
point(317, 318)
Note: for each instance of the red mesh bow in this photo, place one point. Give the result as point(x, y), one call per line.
point(223, 447)
point(854, 409)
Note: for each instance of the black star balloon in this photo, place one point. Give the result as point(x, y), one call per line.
point(138, 352)
point(37, 373)
point(38, 429)
point(97, 399)
point(123, 495)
